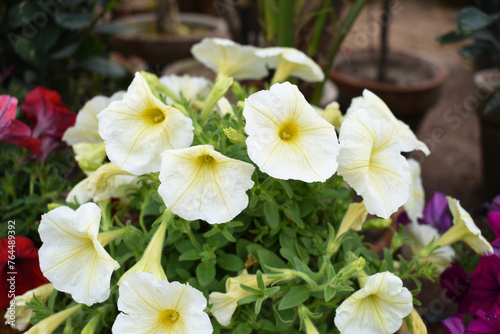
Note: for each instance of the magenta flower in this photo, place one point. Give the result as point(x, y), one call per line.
point(14, 131)
point(454, 324)
point(484, 287)
point(436, 213)
point(455, 281)
point(494, 222)
point(484, 323)
point(49, 117)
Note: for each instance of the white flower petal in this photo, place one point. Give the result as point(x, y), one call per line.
point(370, 161)
point(71, 257)
point(377, 308)
point(79, 195)
point(140, 127)
point(286, 137)
point(232, 59)
point(110, 181)
point(200, 183)
point(372, 102)
point(191, 88)
point(146, 303)
point(414, 207)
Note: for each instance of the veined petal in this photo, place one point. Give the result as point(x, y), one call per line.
point(200, 183)
point(86, 128)
point(372, 102)
point(151, 306)
point(71, 257)
point(377, 308)
point(110, 181)
point(140, 127)
point(191, 88)
point(370, 161)
point(286, 138)
point(232, 59)
point(414, 207)
point(79, 195)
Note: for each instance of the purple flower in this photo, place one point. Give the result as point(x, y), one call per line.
point(454, 324)
point(494, 222)
point(455, 282)
point(484, 323)
point(436, 213)
point(484, 287)
point(496, 247)
point(495, 204)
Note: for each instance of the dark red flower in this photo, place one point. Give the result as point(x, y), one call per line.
point(484, 323)
point(12, 130)
point(455, 282)
point(23, 272)
point(484, 287)
point(49, 117)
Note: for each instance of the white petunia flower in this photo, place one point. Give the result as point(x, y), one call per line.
point(379, 109)
point(464, 229)
point(200, 183)
point(86, 128)
point(191, 88)
point(422, 235)
point(414, 207)
point(151, 306)
point(370, 161)
point(72, 257)
point(291, 62)
point(140, 127)
point(377, 308)
point(224, 304)
point(331, 114)
point(286, 137)
point(23, 313)
point(224, 56)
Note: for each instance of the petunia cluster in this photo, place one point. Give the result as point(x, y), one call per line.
point(200, 211)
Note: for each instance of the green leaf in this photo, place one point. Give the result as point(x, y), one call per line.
point(205, 271)
point(329, 293)
point(453, 36)
point(471, 18)
point(296, 296)
point(272, 214)
point(113, 29)
point(269, 259)
point(294, 216)
point(287, 188)
point(73, 21)
point(103, 66)
point(243, 329)
point(230, 262)
point(492, 105)
point(302, 267)
point(21, 14)
point(190, 255)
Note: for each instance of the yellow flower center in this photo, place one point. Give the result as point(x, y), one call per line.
point(154, 115)
point(167, 318)
point(288, 130)
point(206, 160)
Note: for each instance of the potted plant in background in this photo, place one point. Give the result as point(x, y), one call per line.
point(409, 83)
point(481, 24)
point(165, 35)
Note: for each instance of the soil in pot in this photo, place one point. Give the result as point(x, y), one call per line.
point(160, 49)
point(413, 82)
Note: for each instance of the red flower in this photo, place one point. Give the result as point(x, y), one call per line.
point(24, 264)
point(49, 117)
point(12, 130)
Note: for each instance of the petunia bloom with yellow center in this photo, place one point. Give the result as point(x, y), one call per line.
point(200, 183)
point(149, 306)
point(286, 137)
point(370, 161)
point(223, 56)
point(72, 256)
point(138, 128)
point(224, 304)
point(379, 307)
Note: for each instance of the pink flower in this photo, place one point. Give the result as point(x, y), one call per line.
point(12, 130)
point(484, 288)
point(484, 323)
point(49, 117)
point(454, 324)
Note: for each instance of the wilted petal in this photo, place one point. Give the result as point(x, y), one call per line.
point(286, 138)
point(138, 128)
point(379, 109)
point(378, 307)
point(370, 161)
point(224, 56)
point(200, 183)
point(151, 306)
point(71, 257)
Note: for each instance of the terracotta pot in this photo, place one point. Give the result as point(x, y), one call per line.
point(416, 87)
point(158, 50)
point(486, 81)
